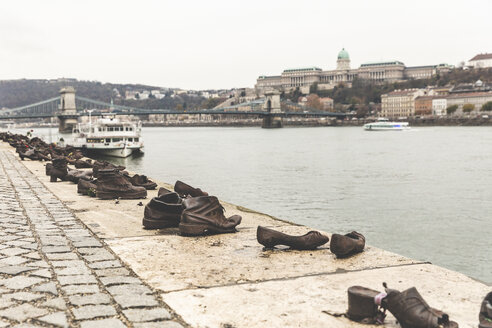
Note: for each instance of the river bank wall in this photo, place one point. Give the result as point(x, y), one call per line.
point(230, 281)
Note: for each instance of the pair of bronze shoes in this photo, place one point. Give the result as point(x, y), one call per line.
point(408, 307)
point(340, 245)
point(191, 209)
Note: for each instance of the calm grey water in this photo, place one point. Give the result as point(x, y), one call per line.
point(424, 193)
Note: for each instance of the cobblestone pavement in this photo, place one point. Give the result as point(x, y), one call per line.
point(55, 273)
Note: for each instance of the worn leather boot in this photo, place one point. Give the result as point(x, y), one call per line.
point(75, 175)
point(142, 181)
point(59, 169)
point(112, 184)
point(185, 190)
point(204, 215)
point(270, 238)
point(412, 311)
point(163, 211)
point(485, 315)
point(346, 245)
point(87, 187)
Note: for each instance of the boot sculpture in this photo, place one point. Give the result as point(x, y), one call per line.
point(75, 175)
point(364, 305)
point(142, 181)
point(163, 191)
point(185, 190)
point(270, 238)
point(59, 169)
point(485, 315)
point(346, 245)
point(80, 164)
point(104, 166)
point(87, 187)
point(49, 166)
point(163, 211)
point(204, 215)
point(411, 310)
point(112, 184)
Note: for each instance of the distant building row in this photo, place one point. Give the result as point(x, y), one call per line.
point(435, 101)
point(387, 71)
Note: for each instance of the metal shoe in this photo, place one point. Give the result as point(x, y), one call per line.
point(185, 190)
point(204, 215)
point(485, 316)
point(347, 245)
point(412, 311)
point(163, 211)
point(270, 238)
point(111, 184)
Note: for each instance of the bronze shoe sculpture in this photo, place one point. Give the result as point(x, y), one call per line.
point(80, 164)
point(163, 191)
point(142, 181)
point(185, 190)
point(204, 215)
point(59, 169)
point(347, 245)
point(270, 238)
point(364, 305)
point(87, 187)
point(485, 315)
point(112, 184)
point(412, 311)
point(49, 166)
point(75, 175)
point(163, 211)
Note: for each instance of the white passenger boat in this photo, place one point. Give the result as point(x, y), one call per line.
point(383, 124)
point(108, 136)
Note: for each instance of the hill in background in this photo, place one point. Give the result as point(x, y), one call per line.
point(16, 93)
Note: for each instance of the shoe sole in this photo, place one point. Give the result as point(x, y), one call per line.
point(121, 195)
point(200, 230)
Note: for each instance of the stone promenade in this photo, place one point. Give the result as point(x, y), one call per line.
point(55, 273)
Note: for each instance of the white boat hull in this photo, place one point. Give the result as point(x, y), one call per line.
point(116, 152)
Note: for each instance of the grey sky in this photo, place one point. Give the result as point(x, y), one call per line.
point(225, 44)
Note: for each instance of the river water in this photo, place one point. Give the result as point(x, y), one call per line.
point(424, 193)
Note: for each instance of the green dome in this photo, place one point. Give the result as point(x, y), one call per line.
point(343, 54)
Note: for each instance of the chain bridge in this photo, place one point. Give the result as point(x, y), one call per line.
point(68, 107)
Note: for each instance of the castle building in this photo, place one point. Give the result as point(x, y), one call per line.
point(380, 72)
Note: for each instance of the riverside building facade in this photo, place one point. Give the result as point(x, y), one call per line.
point(380, 72)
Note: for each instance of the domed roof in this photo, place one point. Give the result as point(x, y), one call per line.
point(343, 54)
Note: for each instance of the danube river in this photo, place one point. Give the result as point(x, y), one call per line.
point(424, 193)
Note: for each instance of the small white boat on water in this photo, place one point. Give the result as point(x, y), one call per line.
point(108, 136)
point(383, 124)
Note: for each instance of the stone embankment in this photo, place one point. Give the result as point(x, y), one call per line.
point(71, 260)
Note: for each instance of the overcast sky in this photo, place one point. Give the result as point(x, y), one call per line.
point(228, 43)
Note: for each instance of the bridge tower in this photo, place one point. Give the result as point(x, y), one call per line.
point(68, 111)
point(272, 105)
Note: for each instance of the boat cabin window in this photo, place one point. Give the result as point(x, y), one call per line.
point(110, 129)
point(116, 139)
point(136, 139)
point(130, 139)
point(95, 140)
point(128, 128)
point(108, 140)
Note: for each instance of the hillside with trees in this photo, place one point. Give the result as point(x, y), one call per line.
point(15, 93)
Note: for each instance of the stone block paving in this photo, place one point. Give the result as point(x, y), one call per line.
point(55, 273)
